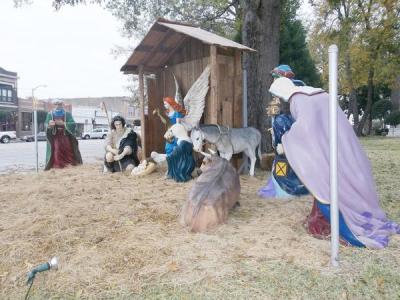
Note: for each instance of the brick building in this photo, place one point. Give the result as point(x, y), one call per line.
point(8, 100)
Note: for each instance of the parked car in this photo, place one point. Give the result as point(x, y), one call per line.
point(7, 136)
point(97, 133)
point(41, 136)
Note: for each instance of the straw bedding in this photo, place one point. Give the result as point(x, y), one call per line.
point(116, 234)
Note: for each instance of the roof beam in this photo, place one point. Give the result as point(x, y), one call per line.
point(178, 45)
point(159, 27)
point(155, 47)
point(160, 48)
point(135, 70)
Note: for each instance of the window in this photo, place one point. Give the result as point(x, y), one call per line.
point(131, 112)
point(6, 94)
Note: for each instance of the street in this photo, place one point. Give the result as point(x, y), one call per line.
point(20, 156)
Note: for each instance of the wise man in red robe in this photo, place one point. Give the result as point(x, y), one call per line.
point(62, 145)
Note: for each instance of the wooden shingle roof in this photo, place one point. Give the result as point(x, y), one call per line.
point(164, 39)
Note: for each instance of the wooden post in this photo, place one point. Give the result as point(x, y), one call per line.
point(238, 103)
point(214, 108)
point(142, 116)
point(238, 91)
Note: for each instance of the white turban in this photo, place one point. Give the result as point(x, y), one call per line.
point(57, 101)
point(284, 88)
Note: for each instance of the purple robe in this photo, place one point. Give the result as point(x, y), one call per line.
point(306, 146)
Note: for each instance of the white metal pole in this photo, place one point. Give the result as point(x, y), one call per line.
point(35, 125)
point(35, 130)
point(333, 157)
point(245, 98)
point(245, 163)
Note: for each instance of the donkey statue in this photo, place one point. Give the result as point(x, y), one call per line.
point(229, 141)
point(215, 192)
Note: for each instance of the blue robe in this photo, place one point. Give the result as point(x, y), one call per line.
point(284, 182)
point(181, 162)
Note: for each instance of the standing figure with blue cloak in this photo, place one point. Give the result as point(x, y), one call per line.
point(362, 222)
point(283, 182)
point(62, 146)
point(180, 160)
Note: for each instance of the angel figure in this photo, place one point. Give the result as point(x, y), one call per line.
point(175, 113)
point(180, 160)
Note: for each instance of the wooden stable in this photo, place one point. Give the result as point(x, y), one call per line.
point(186, 50)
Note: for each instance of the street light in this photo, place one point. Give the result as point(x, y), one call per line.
point(35, 124)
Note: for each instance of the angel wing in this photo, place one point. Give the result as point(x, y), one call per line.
point(178, 95)
point(194, 100)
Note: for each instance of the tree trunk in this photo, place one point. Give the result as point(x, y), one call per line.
point(370, 94)
point(353, 104)
point(395, 95)
point(260, 31)
point(369, 127)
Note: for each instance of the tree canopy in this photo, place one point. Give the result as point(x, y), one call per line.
point(393, 118)
point(293, 48)
point(368, 36)
point(381, 108)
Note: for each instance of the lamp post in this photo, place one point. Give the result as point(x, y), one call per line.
point(34, 102)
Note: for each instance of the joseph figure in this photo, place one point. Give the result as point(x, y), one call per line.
point(121, 148)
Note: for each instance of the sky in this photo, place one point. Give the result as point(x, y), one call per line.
point(306, 13)
point(67, 50)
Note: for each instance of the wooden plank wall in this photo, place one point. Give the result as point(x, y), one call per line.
point(229, 101)
point(223, 105)
point(187, 65)
point(229, 96)
point(154, 128)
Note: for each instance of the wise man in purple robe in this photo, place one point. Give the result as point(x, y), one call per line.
point(362, 222)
